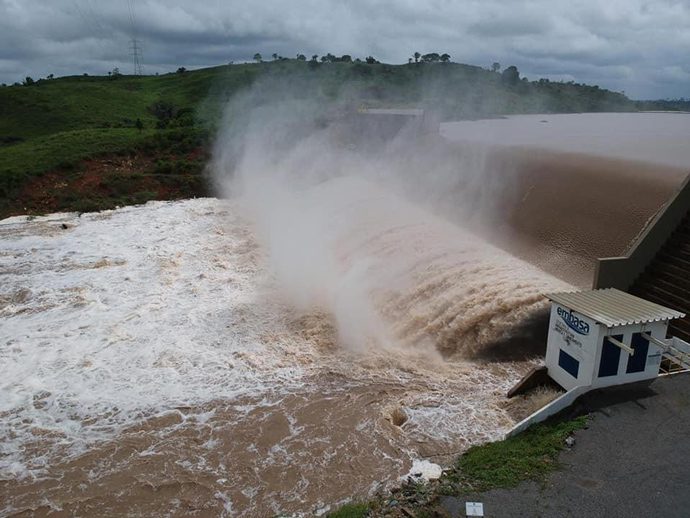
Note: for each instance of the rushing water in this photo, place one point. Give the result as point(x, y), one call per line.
point(150, 363)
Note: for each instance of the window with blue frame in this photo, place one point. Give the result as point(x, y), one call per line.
point(568, 363)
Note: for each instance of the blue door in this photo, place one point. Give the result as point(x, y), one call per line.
point(610, 356)
point(638, 361)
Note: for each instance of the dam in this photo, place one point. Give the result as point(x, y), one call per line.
point(375, 309)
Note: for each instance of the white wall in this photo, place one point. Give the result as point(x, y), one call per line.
point(579, 345)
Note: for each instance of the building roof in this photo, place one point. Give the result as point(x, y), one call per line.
point(409, 112)
point(613, 307)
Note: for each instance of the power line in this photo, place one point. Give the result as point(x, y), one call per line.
point(130, 8)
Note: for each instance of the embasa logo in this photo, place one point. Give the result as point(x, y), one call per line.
point(574, 323)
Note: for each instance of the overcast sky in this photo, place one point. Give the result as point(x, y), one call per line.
point(640, 47)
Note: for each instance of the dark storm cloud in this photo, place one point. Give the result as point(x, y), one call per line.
point(642, 47)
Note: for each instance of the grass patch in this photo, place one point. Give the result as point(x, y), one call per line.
point(65, 154)
point(530, 455)
point(61, 151)
point(350, 511)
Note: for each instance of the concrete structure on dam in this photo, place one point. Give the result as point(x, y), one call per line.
point(657, 265)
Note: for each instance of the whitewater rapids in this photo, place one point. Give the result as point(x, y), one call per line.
point(149, 363)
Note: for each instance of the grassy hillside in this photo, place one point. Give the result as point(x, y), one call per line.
point(59, 136)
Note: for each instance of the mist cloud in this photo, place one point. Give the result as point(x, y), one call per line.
point(641, 47)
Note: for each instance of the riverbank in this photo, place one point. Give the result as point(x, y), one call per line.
point(628, 458)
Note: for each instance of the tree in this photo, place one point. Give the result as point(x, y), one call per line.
point(315, 57)
point(371, 60)
point(258, 58)
point(139, 125)
point(28, 81)
point(181, 70)
point(495, 66)
point(274, 56)
point(431, 57)
point(417, 55)
point(510, 75)
point(50, 76)
point(409, 61)
point(445, 58)
point(346, 58)
point(301, 57)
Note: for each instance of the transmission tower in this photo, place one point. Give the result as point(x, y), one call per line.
point(135, 52)
point(134, 43)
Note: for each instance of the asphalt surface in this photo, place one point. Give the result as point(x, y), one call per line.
point(632, 461)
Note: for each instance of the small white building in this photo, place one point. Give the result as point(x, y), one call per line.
point(605, 337)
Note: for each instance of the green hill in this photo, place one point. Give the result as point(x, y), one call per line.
point(85, 143)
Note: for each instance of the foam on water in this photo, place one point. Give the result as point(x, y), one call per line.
point(124, 314)
point(425, 470)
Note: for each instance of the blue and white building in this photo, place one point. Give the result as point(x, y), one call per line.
point(606, 337)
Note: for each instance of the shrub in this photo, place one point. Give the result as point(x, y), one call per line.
point(122, 184)
point(88, 205)
point(163, 167)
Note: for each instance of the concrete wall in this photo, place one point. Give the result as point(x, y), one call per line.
point(382, 125)
point(547, 411)
point(621, 272)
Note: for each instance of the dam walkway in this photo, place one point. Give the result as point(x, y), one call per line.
point(633, 460)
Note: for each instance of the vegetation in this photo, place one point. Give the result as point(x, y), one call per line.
point(350, 511)
point(56, 135)
point(531, 455)
point(54, 126)
point(682, 105)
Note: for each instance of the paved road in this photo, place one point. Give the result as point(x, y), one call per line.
point(632, 461)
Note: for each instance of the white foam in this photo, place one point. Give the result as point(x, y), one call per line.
point(423, 469)
point(125, 314)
